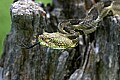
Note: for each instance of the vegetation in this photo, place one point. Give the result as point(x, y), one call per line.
point(5, 22)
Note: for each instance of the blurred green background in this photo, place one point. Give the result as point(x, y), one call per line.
point(5, 22)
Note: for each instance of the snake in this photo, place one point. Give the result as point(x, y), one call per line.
point(61, 40)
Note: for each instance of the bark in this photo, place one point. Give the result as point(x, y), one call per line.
point(97, 59)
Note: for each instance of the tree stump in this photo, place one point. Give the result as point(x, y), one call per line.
point(98, 60)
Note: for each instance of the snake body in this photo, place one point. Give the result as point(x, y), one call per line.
point(60, 40)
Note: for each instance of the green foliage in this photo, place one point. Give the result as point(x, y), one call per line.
point(45, 1)
point(4, 20)
point(5, 23)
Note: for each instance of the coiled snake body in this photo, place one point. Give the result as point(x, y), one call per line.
point(61, 40)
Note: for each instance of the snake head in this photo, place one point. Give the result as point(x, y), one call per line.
point(56, 41)
point(43, 39)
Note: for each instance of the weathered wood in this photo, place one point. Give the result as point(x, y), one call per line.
point(98, 60)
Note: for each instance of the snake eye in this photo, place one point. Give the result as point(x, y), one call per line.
point(40, 37)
